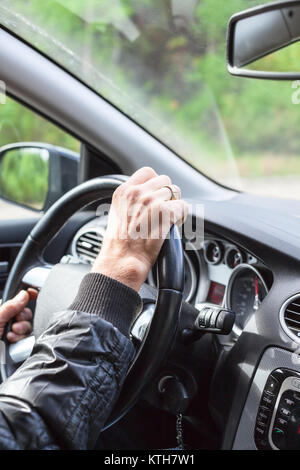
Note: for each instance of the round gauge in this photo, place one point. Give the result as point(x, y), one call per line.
point(190, 278)
point(213, 252)
point(245, 292)
point(234, 258)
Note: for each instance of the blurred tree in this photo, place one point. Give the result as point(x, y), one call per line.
point(163, 64)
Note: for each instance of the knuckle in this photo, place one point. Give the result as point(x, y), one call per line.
point(123, 192)
point(148, 171)
point(119, 191)
point(147, 199)
point(166, 180)
point(28, 313)
point(9, 306)
point(116, 195)
point(133, 193)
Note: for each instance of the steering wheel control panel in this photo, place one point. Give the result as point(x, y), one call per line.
point(215, 319)
point(210, 319)
point(278, 419)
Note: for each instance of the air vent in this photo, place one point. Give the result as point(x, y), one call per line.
point(88, 245)
point(290, 317)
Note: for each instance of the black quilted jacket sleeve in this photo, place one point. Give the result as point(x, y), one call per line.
point(61, 397)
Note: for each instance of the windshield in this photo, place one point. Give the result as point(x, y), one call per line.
point(163, 64)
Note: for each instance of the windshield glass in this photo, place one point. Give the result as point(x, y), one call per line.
point(163, 64)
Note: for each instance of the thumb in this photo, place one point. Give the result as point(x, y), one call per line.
point(12, 307)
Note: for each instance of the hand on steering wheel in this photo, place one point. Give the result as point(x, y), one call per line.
point(31, 269)
point(139, 220)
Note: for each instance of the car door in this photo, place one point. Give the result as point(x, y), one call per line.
point(38, 163)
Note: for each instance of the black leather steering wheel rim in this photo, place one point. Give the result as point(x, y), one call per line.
point(170, 267)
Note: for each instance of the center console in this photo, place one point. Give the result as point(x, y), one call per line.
point(271, 415)
point(278, 418)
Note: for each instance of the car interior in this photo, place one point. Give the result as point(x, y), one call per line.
point(218, 338)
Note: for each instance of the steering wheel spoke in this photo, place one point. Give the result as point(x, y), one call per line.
point(142, 322)
point(148, 294)
point(21, 350)
point(37, 276)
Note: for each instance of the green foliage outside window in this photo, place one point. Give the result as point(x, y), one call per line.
point(24, 176)
point(171, 80)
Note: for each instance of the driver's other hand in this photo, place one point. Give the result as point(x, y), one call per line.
point(16, 309)
point(140, 218)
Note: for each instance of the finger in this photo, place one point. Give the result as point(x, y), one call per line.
point(13, 338)
point(165, 194)
point(142, 175)
point(156, 183)
point(21, 328)
point(172, 212)
point(177, 210)
point(33, 293)
point(25, 315)
point(14, 306)
point(164, 215)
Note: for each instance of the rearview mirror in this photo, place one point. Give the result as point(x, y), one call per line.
point(263, 42)
point(36, 175)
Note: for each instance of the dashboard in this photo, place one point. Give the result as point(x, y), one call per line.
point(250, 265)
point(219, 272)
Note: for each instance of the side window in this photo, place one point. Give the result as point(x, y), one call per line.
point(38, 161)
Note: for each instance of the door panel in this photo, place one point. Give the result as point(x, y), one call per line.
point(12, 235)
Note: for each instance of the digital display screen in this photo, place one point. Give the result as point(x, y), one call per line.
point(216, 293)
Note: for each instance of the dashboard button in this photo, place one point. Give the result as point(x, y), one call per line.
point(296, 383)
point(268, 400)
point(281, 423)
point(296, 396)
point(278, 437)
point(260, 430)
point(207, 316)
point(213, 318)
point(263, 415)
point(289, 402)
point(285, 412)
point(263, 444)
point(201, 317)
point(272, 385)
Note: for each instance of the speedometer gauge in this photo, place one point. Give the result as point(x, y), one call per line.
point(245, 292)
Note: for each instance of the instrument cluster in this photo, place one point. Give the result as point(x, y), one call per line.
point(220, 273)
point(233, 278)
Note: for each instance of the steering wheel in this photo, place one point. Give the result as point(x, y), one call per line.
point(30, 269)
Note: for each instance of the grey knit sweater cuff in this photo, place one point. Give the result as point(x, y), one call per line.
point(110, 299)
